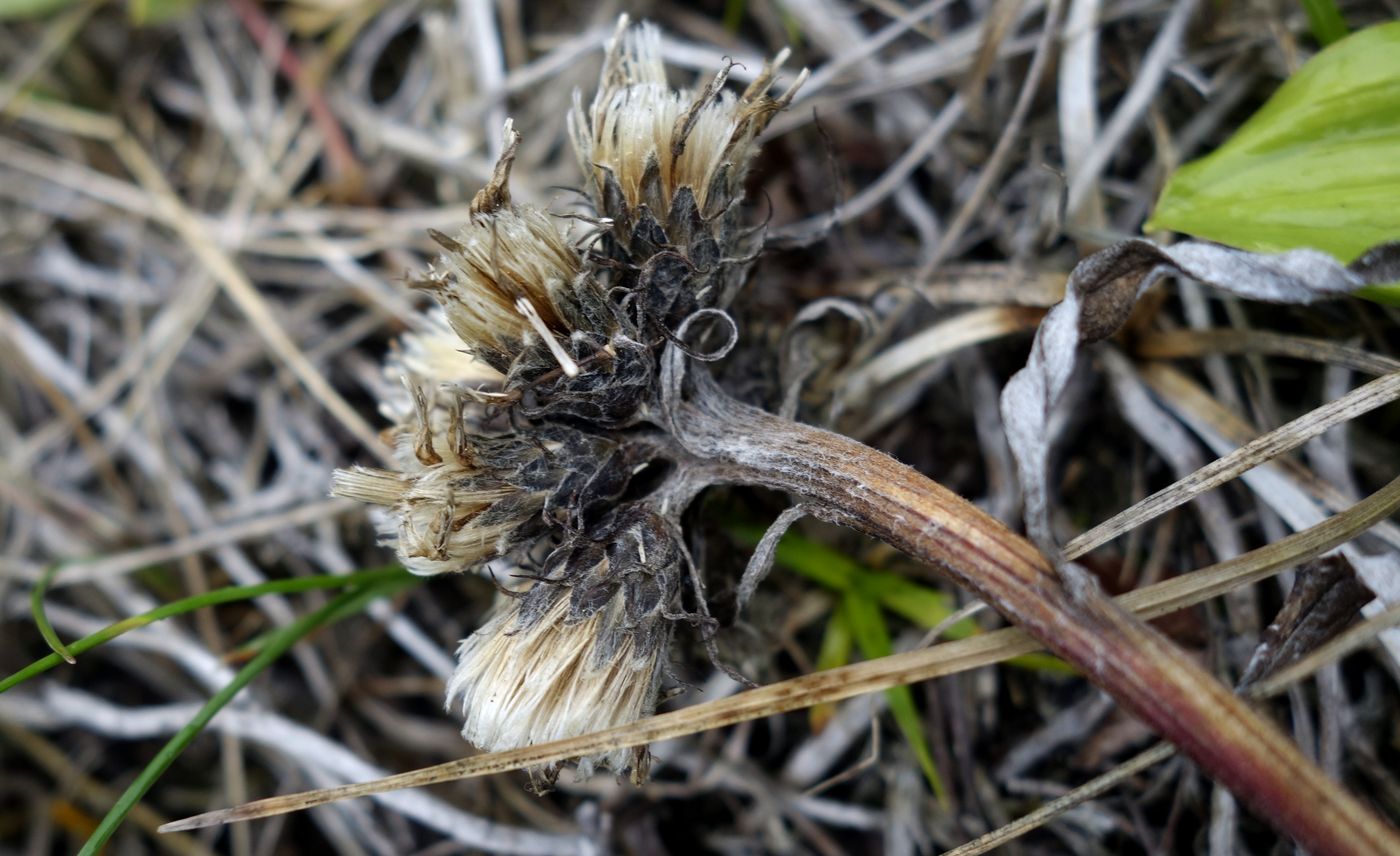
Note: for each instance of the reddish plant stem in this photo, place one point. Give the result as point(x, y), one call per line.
point(1147, 674)
point(345, 168)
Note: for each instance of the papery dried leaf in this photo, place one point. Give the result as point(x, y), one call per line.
point(1325, 600)
point(1102, 291)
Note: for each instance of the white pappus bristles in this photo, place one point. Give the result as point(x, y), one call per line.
point(432, 364)
point(370, 486)
point(497, 260)
point(440, 519)
point(636, 119)
point(435, 356)
point(519, 686)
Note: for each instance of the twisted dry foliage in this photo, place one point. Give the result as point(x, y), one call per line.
point(201, 270)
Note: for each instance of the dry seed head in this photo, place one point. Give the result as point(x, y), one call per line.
point(428, 375)
point(554, 678)
point(702, 139)
point(445, 424)
point(496, 262)
point(444, 518)
point(435, 356)
point(510, 277)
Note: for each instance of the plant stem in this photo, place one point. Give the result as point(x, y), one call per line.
point(1149, 676)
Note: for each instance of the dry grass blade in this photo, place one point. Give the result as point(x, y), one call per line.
point(1056, 807)
point(90, 792)
point(960, 331)
point(846, 682)
point(57, 36)
point(1257, 564)
point(1287, 486)
point(174, 214)
point(1265, 447)
point(992, 169)
point(115, 564)
point(895, 177)
point(1169, 344)
point(1146, 81)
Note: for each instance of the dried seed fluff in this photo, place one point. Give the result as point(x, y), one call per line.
point(554, 678)
point(445, 517)
point(510, 279)
point(637, 123)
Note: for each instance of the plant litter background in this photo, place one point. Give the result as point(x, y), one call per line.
point(208, 214)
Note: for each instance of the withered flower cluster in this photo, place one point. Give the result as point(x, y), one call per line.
point(561, 335)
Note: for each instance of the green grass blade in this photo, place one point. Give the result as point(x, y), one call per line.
point(918, 603)
point(211, 598)
point(924, 606)
point(834, 653)
point(12, 9)
point(41, 619)
point(734, 12)
point(150, 12)
point(836, 643)
point(822, 565)
point(1387, 294)
point(281, 642)
point(871, 633)
point(1325, 21)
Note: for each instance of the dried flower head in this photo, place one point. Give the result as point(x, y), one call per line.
point(511, 284)
point(643, 143)
point(462, 505)
point(431, 380)
point(666, 169)
point(433, 357)
point(527, 302)
point(583, 649)
point(571, 337)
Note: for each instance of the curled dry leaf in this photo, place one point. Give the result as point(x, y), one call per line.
point(1101, 293)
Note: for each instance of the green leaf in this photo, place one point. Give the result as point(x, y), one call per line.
point(1318, 166)
point(392, 573)
point(835, 652)
point(11, 9)
point(924, 606)
point(867, 624)
point(280, 642)
point(1325, 20)
point(1387, 294)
